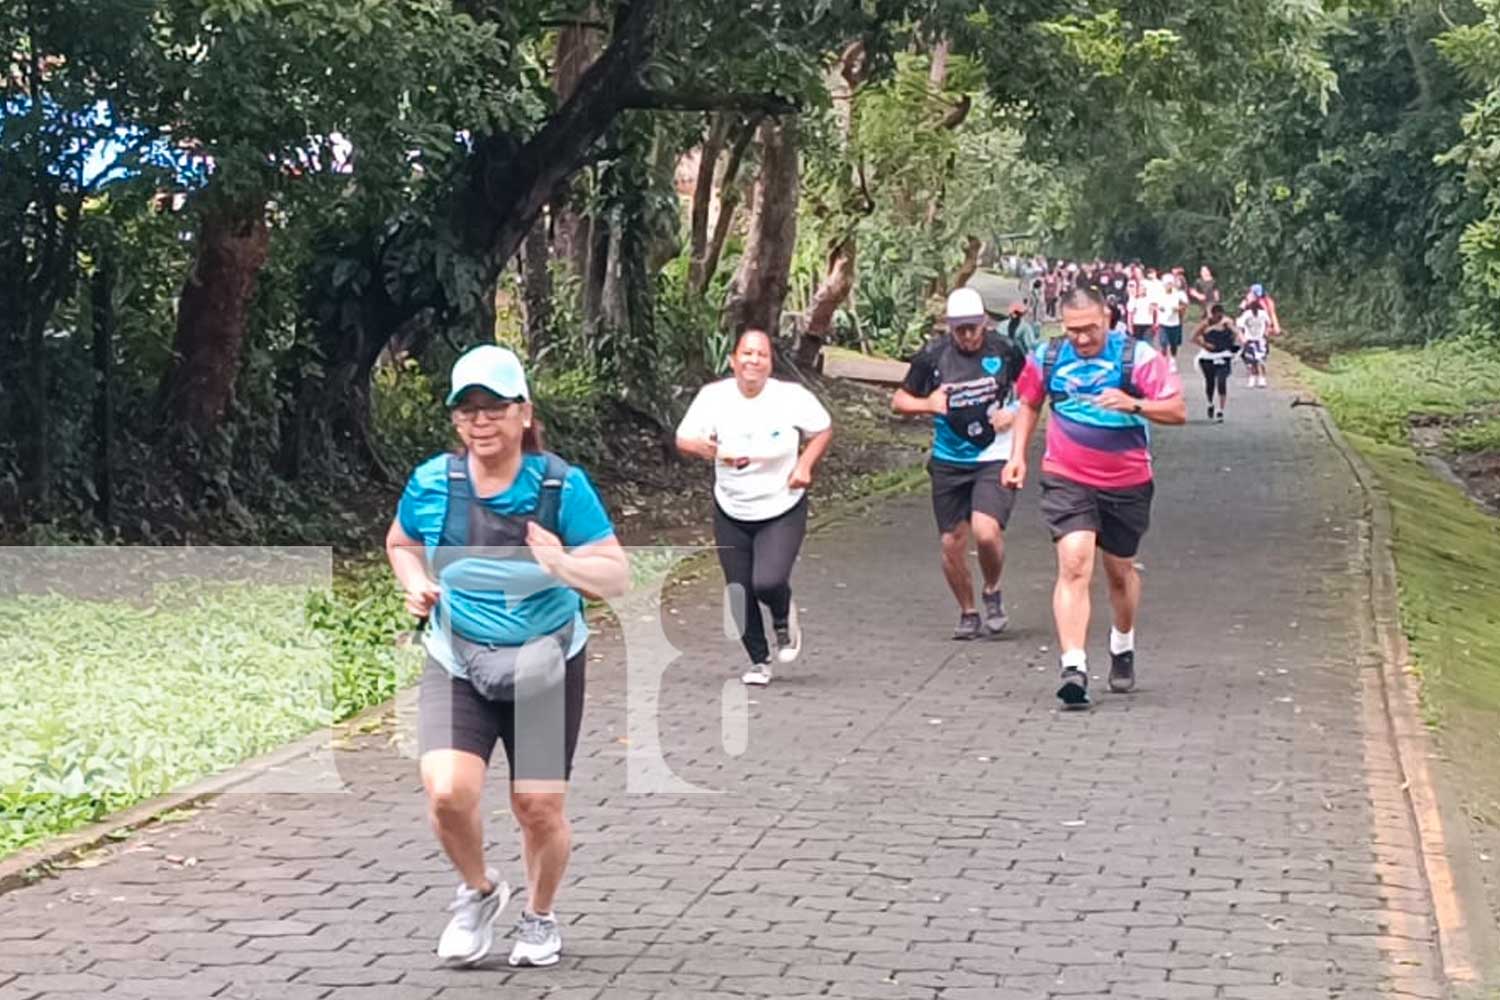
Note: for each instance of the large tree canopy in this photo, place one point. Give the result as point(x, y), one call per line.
point(249, 231)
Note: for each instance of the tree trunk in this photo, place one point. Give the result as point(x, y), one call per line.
point(212, 315)
point(729, 202)
point(966, 270)
point(536, 275)
point(838, 280)
point(703, 193)
point(835, 289)
point(102, 307)
point(578, 45)
point(759, 288)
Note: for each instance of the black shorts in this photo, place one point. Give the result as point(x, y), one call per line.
point(1172, 335)
point(540, 732)
point(961, 491)
point(1118, 517)
point(1142, 331)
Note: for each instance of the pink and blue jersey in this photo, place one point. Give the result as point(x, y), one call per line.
point(1086, 443)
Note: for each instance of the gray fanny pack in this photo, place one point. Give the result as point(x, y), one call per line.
point(514, 673)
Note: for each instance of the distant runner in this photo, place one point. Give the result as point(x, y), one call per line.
point(1217, 338)
point(1172, 307)
point(753, 428)
point(1105, 388)
point(1255, 326)
point(964, 381)
point(1206, 292)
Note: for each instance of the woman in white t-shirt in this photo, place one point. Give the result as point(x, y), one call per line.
point(753, 427)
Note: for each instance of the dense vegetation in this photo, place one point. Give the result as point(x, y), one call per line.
point(249, 232)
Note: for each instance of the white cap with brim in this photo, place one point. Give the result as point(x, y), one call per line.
point(492, 368)
point(965, 307)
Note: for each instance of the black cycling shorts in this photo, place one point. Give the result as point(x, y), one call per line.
point(540, 732)
point(961, 491)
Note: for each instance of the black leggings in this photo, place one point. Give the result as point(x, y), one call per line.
point(757, 558)
point(1215, 378)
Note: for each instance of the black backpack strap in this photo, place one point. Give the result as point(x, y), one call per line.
point(1049, 365)
point(458, 500)
point(549, 501)
point(1127, 370)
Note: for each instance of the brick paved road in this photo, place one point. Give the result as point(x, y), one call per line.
point(911, 817)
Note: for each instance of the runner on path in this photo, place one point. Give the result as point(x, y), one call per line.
point(753, 428)
point(1255, 326)
point(1218, 341)
point(1173, 306)
point(1205, 291)
point(964, 381)
point(1105, 388)
point(508, 644)
point(1144, 305)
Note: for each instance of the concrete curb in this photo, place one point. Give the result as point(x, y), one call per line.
point(34, 863)
point(1468, 938)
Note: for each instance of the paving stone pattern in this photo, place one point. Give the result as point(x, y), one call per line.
point(911, 817)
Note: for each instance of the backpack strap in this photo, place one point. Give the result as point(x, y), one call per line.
point(549, 501)
point(457, 503)
point(1049, 365)
point(1127, 370)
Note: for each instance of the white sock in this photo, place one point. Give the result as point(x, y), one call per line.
point(1074, 658)
point(542, 916)
point(1121, 642)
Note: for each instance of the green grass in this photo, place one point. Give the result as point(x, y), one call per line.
point(1448, 567)
point(1374, 393)
point(1483, 436)
point(107, 703)
point(1447, 550)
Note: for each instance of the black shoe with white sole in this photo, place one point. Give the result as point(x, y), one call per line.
point(1074, 690)
point(1122, 672)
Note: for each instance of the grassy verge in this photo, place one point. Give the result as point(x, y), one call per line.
point(106, 703)
point(1447, 550)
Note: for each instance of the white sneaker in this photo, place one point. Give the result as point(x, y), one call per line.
point(758, 675)
point(1261, 382)
point(538, 941)
point(470, 933)
point(789, 639)
point(1250, 382)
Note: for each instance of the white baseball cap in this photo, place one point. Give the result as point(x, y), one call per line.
point(490, 367)
point(965, 307)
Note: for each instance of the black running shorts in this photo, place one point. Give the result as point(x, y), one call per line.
point(1118, 517)
point(540, 732)
point(961, 491)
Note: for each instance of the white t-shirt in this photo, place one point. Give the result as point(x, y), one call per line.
point(767, 429)
point(1144, 297)
point(1173, 301)
point(1254, 325)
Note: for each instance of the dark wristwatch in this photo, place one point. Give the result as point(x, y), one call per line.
point(1136, 409)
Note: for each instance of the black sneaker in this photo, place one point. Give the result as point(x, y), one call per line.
point(1122, 672)
point(969, 626)
point(1210, 411)
point(1074, 690)
point(1219, 417)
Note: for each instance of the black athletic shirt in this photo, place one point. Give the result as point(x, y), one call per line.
point(978, 384)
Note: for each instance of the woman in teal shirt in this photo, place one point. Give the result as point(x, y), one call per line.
point(497, 545)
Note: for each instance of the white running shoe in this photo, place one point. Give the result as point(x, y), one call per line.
point(759, 675)
point(538, 941)
point(789, 639)
point(470, 933)
point(1261, 382)
point(1250, 382)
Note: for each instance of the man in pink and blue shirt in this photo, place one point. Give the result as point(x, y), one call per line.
point(1106, 389)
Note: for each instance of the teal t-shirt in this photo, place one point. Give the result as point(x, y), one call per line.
point(502, 602)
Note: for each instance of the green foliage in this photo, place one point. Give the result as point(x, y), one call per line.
point(1483, 436)
point(1375, 393)
point(108, 703)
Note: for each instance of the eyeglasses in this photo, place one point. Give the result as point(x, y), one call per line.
point(470, 413)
